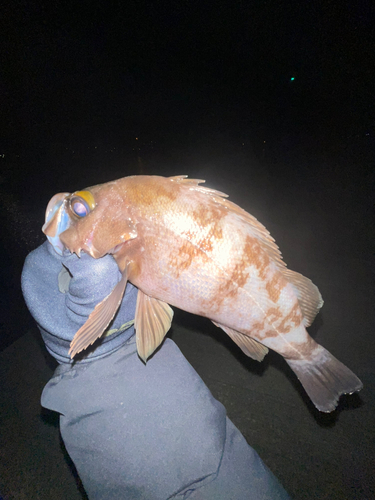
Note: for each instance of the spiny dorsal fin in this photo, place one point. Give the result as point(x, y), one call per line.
point(153, 319)
point(194, 183)
point(308, 295)
point(259, 231)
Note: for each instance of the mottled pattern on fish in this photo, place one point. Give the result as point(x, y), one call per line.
point(202, 257)
point(186, 245)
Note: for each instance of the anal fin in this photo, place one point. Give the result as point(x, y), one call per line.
point(153, 319)
point(100, 318)
point(249, 346)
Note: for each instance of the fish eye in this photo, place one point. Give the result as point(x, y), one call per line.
point(80, 208)
point(81, 203)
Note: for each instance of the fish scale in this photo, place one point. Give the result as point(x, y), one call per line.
point(188, 246)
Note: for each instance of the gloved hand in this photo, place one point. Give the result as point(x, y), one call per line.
point(62, 291)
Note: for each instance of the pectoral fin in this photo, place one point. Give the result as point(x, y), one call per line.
point(153, 319)
point(249, 346)
point(100, 318)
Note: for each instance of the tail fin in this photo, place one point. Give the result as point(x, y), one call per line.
point(325, 378)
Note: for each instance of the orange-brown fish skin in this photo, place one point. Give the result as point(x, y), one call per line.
point(195, 254)
point(189, 248)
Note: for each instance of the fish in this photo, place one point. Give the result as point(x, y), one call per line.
point(186, 245)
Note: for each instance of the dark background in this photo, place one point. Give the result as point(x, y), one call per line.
point(271, 102)
point(93, 91)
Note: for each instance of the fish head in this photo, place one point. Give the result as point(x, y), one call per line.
point(96, 221)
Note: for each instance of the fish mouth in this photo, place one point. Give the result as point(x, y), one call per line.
point(58, 229)
point(73, 245)
point(57, 221)
point(116, 248)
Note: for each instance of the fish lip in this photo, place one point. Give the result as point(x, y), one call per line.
point(91, 250)
point(57, 220)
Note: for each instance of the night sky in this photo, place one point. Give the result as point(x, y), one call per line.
point(86, 74)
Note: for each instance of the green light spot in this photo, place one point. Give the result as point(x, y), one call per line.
point(292, 78)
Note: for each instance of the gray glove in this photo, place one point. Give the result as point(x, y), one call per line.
point(62, 291)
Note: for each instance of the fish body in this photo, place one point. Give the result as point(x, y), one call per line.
point(186, 245)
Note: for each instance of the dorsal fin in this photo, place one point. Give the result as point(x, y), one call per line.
point(194, 183)
point(307, 293)
point(259, 231)
point(309, 297)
